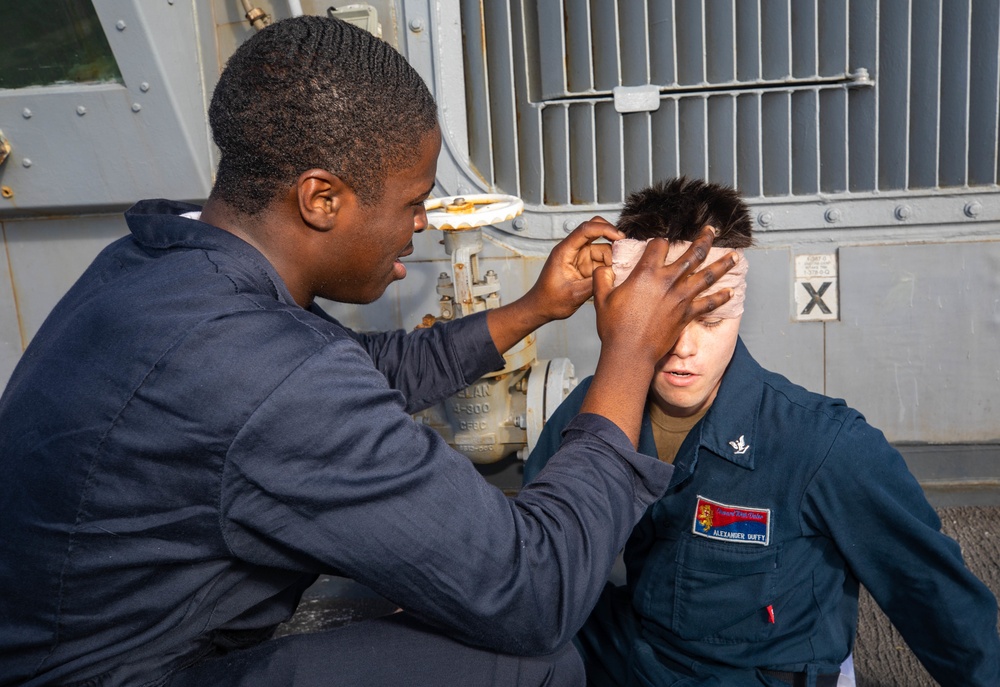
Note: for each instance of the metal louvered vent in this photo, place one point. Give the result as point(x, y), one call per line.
point(579, 102)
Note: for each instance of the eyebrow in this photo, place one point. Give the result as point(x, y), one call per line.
point(426, 193)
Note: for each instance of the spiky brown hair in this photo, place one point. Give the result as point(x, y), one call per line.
point(678, 209)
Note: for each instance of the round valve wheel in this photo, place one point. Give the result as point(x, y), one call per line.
point(454, 213)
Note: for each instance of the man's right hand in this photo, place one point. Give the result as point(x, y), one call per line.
point(640, 320)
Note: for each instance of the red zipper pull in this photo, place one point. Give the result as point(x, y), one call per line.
point(770, 613)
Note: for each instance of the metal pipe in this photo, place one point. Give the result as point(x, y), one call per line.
point(257, 17)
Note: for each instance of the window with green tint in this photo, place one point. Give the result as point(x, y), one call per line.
point(53, 42)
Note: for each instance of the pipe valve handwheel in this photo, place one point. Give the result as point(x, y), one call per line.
point(456, 213)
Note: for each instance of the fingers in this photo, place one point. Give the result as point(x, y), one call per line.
point(696, 253)
point(711, 274)
point(706, 304)
point(590, 231)
point(604, 279)
point(687, 277)
point(654, 255)
point(600, 254)
point(682, 278)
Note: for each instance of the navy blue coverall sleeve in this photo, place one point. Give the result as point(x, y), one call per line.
point(427, 365)
point(387, 502)
point(872, 506)
point(185, 448)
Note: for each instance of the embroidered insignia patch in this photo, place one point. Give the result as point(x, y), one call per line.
point(732, 523)
point(740, 446)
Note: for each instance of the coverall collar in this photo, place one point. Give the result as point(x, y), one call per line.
point(157, 224)
point(729, 428)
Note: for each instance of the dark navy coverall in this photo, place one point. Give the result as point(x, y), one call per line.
point(782, 501)
point(183, 449)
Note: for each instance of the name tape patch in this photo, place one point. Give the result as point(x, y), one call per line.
point(732, 523)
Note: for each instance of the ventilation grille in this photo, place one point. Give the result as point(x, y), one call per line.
point(780, 99)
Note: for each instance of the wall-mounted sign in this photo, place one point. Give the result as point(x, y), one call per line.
point(815, 287)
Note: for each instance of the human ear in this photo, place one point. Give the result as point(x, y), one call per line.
point(321, 196)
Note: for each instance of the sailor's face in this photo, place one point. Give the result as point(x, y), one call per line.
point(688, 377)
point(381, 233)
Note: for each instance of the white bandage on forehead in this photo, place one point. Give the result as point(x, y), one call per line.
point(625, 253)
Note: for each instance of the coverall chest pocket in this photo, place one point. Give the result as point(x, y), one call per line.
point(722, 591)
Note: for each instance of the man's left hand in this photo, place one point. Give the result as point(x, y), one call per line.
point(565, 283)
point(566, 280)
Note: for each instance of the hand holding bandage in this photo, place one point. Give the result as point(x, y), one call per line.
point(625, 253)
point(640, 321)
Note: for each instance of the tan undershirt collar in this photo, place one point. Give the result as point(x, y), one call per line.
point(669, 432)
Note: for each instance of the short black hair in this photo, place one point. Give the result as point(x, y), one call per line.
point(678, 209)
point(314, 92)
